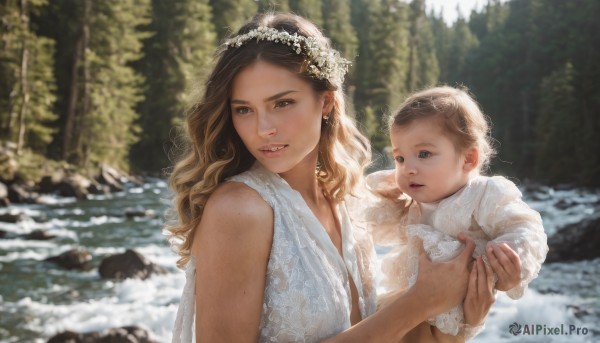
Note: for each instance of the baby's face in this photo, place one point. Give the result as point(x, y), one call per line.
point(428, 167)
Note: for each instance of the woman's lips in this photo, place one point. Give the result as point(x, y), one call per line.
point(273, 150)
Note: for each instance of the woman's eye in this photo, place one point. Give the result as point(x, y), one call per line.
point(241, 110)
point(399, 159)
point(283, 103)
point(424, 154)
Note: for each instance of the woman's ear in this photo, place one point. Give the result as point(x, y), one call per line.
point(471, 159)
point(327, 102)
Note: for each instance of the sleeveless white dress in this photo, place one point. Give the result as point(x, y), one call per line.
point(307, 294)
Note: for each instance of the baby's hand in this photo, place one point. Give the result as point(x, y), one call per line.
point(506, 264)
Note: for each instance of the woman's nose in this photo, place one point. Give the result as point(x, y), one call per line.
point(266, 128)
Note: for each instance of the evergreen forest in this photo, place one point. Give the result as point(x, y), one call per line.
point(91, 82)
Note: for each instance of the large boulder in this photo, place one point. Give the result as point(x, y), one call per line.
point(39, 235)
point(133, 212)
point(125, 334)
point(74, 186)
point(14, 217)
point(19, 193)
point(4, 195)
point(48, 183)
point(112, 178)
point(129, 264)
point(77, 258)
point(66, 186)
point(575, 242)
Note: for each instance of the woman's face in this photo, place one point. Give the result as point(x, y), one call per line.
point(278, 116)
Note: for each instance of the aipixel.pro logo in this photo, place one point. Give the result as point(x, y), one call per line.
point(543, 329)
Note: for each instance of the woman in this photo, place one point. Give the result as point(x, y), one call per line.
point(263, 230)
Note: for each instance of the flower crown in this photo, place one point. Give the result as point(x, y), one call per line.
point(325, 64)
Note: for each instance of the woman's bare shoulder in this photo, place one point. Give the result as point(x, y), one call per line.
point(234, 211)
point(238, 199)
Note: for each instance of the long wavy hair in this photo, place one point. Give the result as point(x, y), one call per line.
point(214, 151)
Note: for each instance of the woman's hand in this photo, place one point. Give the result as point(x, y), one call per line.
point(506, 264)
point(480, 293)
point(441, 286)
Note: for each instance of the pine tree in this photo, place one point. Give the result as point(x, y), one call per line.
point(175, 59)
point(103, 89)
point(27, 85)
point(462, 42)
point(229, 15)
point(337, 26)
point(273, 6)
point(423, 68)
point(558, 137)
point(310, 9)
point(381, 64)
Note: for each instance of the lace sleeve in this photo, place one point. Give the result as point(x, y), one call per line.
point(506, 218)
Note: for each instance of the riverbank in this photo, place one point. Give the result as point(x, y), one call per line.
point(29, 179)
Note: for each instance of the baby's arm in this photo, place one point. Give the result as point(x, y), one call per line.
point(507, 219)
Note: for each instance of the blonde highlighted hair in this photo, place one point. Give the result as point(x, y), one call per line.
point(215, 152)
point(460, 115)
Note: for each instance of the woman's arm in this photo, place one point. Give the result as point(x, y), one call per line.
point(231, 246)
point(439, 287)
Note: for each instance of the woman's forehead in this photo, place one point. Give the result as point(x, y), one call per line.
point(264, 79)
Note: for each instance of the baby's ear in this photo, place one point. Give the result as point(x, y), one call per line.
point(471, 159)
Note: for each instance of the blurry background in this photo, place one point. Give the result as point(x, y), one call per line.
point(88, 87)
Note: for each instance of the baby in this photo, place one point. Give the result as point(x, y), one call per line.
point(440, 142)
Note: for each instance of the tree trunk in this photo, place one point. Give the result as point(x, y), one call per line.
point(74, 116)
point(23, 76)
point(73, 94)
point(80, 147)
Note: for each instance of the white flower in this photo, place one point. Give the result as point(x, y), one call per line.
point(331, 66)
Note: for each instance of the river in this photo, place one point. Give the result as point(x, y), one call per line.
point(38, 299)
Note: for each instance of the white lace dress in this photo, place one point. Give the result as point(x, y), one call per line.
point(487, 209)
point(307, 294)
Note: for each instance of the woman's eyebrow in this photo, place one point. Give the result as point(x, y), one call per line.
point(279, 95)
point(271, 98)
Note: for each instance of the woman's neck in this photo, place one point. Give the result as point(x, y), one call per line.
point(303, 179)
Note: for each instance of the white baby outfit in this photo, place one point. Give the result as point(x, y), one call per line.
point(487, 209)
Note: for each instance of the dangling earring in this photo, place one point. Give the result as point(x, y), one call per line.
point(326, 119)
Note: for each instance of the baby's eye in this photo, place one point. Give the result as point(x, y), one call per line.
point(283, 103)
point(399, 159)
point(241, 110)
point(424, 154)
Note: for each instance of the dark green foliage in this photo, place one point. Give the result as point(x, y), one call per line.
point(228, 15)
point(423, 68)
point(558, 134)
point(310, 9)
point(27, 86)
point(82, 81)
point(382, 63)
point(175, 57)
point(273, 5)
